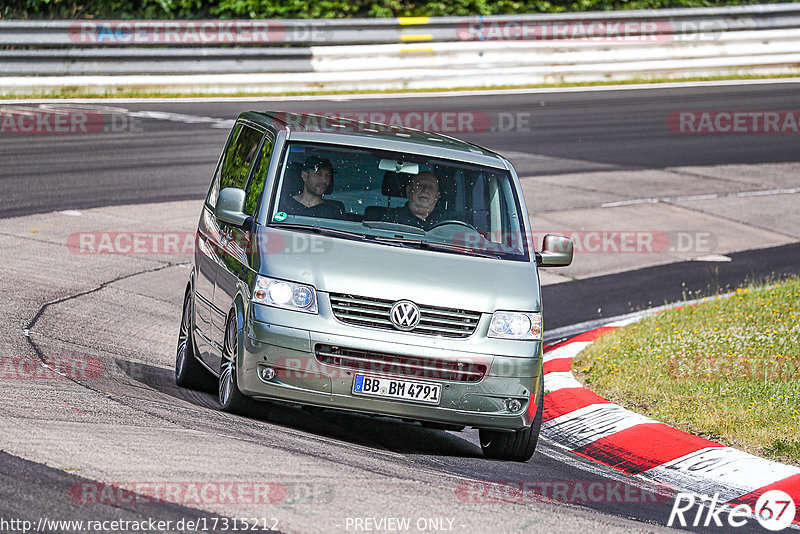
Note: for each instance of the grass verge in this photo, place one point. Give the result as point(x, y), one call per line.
point(87, 92)
point(727, 369)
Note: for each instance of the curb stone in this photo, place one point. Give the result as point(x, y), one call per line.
point(592, 427)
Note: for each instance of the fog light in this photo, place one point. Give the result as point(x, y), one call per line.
point(513, 405)
point(266, 373)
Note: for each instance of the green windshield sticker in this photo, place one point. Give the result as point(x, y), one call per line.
point(280, 216)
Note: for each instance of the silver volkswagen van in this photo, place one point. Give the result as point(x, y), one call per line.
point(373, 269)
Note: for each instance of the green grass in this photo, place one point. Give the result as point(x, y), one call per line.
point(727, 369)
point(84, 92)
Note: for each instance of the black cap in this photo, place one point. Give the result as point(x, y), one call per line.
point(317, 163)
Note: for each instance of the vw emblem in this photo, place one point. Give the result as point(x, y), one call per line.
point(404, 315)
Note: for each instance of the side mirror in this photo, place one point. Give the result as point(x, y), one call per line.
point(230, 206)
point(556, 251)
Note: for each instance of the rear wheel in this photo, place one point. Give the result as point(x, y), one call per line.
point(516, 446)
point(189, 373)
point(230, 398)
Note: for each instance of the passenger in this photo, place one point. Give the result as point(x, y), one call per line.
point(420, 210)
point(317, 174)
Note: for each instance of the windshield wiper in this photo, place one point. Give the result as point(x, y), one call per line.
point(324, 230)
point(433, 245)
point(395, 241)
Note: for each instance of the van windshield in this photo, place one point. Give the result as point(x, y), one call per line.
point(400, 199)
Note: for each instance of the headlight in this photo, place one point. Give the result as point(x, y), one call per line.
point(516, 325)
point(282, 294)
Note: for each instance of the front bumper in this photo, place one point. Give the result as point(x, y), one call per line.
point(300, 377)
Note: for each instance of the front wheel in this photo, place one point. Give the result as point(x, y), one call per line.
point(230, 398)
point(515, 446)
point(189, 373)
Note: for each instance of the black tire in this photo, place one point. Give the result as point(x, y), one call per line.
point(231, 400)
point(515, 446)
point(189, 372)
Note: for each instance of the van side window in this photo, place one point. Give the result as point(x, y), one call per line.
point(238, 158)
point(236, 161)
point(256, 185)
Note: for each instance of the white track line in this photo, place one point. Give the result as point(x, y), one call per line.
point(432, 94)
point(742, 194)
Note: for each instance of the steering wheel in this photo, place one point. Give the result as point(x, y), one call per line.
point(452, 221)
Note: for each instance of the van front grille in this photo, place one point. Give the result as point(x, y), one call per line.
point(396, 365)
point(374, 313)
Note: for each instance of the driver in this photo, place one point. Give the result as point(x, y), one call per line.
point(420, 210)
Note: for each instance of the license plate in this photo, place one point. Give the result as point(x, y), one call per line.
point(410, 390)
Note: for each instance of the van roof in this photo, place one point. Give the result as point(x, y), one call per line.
point(337, 129)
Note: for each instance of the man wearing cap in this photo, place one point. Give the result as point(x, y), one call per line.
point(317, 174)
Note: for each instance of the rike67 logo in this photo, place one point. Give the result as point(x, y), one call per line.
point(774, 510)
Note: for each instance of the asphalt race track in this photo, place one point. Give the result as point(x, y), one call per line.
point(131, 424)
point(590, 131)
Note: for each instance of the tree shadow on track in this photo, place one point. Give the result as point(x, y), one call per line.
point(370, 431)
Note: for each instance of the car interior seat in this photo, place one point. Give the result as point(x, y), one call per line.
point(393, 185)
